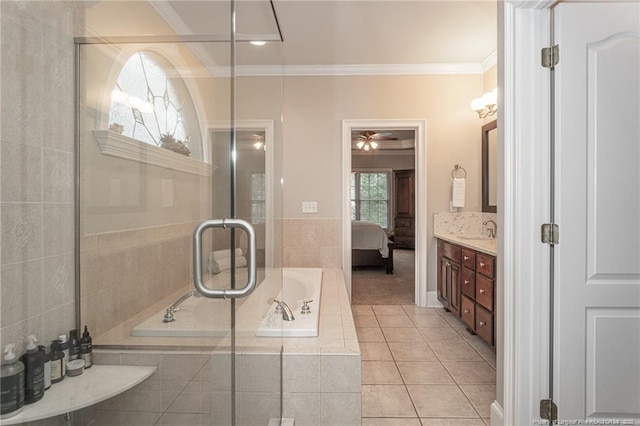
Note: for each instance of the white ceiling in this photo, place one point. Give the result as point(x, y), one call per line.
point(334, 36)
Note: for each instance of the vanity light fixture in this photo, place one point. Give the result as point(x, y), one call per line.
point(486, 104)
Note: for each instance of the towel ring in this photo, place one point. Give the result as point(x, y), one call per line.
point(458, 168)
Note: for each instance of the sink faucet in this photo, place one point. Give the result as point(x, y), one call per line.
point(168, 315)
point(287, 314)
point(492, 231)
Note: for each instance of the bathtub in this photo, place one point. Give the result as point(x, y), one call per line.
point(203, 317)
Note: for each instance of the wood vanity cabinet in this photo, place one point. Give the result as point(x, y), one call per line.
point(449, 276)
point(475, 301)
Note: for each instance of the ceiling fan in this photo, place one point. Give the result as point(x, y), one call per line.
point(367, 139)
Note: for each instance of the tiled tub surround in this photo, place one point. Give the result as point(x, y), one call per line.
point(312, 243)
point(321, 375)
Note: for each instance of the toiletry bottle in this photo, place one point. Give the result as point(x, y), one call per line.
point(58, 370)
point(86, 349)
point(33, 362)
point(74, 345)
point(11, 384)
point(47, 366)
point(64, 347)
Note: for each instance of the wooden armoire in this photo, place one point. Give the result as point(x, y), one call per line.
point(404, 209)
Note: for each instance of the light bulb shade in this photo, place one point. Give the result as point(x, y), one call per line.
point(477, 104)
point(490, 98)
point(373, 144)
point(367, 147)
point(257, 145)
point(360, 144)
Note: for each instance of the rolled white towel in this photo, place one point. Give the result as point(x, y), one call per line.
point(217, 266)
point(225, 254)
point(458, 192)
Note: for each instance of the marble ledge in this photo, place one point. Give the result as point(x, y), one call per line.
point(96, 384)
point(488, 246)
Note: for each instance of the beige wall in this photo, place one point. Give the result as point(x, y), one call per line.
point(315, 107)
point(389, 161)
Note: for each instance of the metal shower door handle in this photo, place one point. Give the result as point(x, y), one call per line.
point(197, 258)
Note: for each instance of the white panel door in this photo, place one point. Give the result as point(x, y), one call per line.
point(597, 287)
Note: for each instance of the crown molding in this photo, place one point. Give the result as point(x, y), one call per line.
point(490, 61)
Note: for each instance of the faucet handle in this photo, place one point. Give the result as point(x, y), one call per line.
point(305, 307)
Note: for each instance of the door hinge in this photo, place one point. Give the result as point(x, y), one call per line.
point(550, 56)
point(548, 410)
point(550, 233)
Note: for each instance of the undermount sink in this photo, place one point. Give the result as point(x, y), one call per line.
point(475, 237)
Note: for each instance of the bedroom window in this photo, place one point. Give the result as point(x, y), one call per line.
point(258, 198)
point(370, 195)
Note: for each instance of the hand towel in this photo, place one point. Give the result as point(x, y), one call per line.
point(458, 192)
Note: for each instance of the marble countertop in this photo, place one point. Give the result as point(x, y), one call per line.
point(489, 246)
point(96, 384)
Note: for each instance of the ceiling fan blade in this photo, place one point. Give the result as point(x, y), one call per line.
point(379, 135)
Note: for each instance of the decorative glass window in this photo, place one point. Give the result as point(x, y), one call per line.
point(151, 103)
point(370, 193)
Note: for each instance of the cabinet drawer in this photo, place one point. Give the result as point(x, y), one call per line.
point(468, 285)
point(451, 251)
point(469, 258)
point(468, 312)
point(403, 222)
point(484, 324)
point(484, 265)
point(484, 291)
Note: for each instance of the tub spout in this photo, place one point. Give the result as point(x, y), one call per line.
point(168, 315)
point(287, 314)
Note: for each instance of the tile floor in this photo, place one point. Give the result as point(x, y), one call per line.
point(420, 366)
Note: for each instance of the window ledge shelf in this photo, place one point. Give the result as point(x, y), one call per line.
point(96, 384)
point(117, 145)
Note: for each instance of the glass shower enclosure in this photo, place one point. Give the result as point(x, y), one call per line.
point(176, 133)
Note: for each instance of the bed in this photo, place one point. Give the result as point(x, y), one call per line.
point(370, 246)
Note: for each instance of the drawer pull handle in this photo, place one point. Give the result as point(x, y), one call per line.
point(466, 281)
point(481, 291)
point(482, 264)
point(482, 323)
point(466, 311)
point(466, 257)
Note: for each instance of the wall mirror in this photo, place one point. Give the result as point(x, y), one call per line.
point(490, 167)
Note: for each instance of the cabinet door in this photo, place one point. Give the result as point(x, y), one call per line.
point(454, 286)
point(405, 190)
point(443, 279)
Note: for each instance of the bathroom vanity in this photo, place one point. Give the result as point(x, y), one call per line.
point(466, 281)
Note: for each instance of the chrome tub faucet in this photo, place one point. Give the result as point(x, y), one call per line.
point(168, 315)
point(283, 308)
point(493, 232)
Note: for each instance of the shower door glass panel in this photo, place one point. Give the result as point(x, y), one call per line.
point(169, 136)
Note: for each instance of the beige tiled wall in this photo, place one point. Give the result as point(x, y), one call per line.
point(125, 272)
point(312, 243)
point(37, 157)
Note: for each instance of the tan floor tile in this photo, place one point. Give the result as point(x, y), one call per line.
point(481, 397)
point(429, 321)
point(362, 321)
point(440, 334)
point(417, 310)
point(388, 309)
point(412, 352)
point(390, 422)
point(361, 310)
point(370, 334)
point(455, 351)
point(465, 372)
point(402, 335)
point(441, 401)
point(386, 401)
point(453, 319)
point(380, 373)
point(424, 373)
point(394, 321)
point(375, 351)
point(452, 422)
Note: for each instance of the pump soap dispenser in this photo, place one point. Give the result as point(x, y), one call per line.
point(33, 362)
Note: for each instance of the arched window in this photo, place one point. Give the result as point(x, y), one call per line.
point(152, 104)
